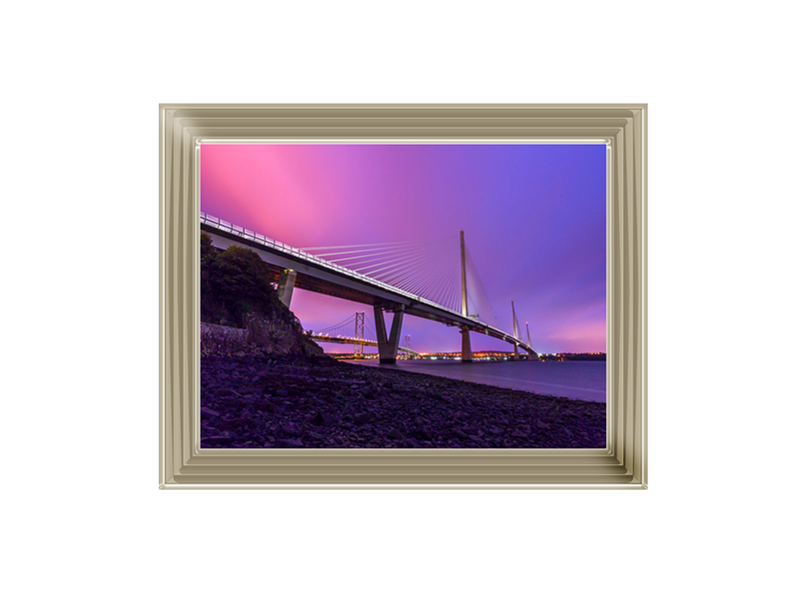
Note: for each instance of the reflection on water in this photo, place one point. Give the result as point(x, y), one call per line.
point(580, 380)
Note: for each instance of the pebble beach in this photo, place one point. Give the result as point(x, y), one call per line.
point(256, 401)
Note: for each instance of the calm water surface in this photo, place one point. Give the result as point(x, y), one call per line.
point(578, 380)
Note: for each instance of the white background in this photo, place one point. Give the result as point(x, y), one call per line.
point(84, 518)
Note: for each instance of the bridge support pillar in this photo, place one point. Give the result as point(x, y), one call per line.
point(388, 344)
point(516, 353)
point(286, 284)
point(466, 345)
point(533, 356)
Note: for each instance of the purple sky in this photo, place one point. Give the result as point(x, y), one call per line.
point(534, 218)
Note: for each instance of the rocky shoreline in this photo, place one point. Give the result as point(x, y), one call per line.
point(256, 401)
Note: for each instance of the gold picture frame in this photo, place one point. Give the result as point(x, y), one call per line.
point(622, 464)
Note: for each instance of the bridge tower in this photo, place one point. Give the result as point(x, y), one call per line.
point(466, 343)
point(531, 355)
point(407, 345)
point(360, 327)
point(516, 331)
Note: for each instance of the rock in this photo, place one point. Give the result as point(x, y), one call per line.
point(282, 393)
point(289, 443)
point(227, 393)
point(541, 425)
point(395, 434)
point(518, 434)
point(422, 434)
point(208, 413)
point(324, 418)
point(291, 430)
point(216, 442)
point(362, 418)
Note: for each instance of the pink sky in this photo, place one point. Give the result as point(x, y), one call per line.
point(534, 217)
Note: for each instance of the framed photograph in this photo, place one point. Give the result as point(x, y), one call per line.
point(403, 296)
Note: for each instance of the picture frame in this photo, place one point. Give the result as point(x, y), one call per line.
point(184, 464)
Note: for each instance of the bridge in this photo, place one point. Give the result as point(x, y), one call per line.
point(397, 278)
point(355, 331)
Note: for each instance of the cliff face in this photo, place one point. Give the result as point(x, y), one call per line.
point(280, 334)
point(240, 309)
point(273, 337)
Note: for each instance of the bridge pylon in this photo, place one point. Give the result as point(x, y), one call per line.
point(286, 283)
point(531, 355)
point(388, 343)
point(360, 327)
point(466, 342)
point(516, 331)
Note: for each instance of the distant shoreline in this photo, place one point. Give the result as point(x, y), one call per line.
point(488, 356)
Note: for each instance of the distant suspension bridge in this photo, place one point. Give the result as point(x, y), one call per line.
point(355, 330)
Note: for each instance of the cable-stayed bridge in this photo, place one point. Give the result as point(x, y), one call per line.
point(425, 280)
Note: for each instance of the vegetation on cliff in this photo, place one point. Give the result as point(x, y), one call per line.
point(240, 308)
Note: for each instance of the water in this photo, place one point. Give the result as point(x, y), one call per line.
point(579, 380)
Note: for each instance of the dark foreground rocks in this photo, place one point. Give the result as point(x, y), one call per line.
point(303, 402)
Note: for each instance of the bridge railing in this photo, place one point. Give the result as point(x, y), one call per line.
point(314, 259)
point(294, 251)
